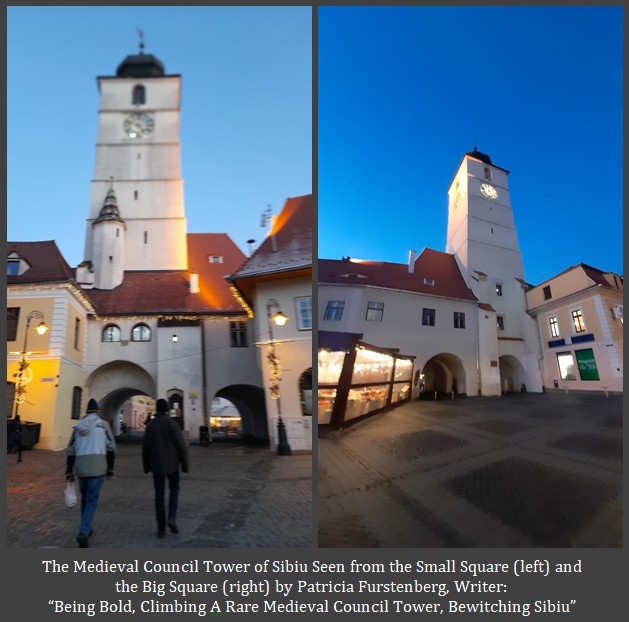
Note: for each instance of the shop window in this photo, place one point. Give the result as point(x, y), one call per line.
point(554, 327)
point(77, 394)
point(547, 293)
point(428, 317)
point(303, 306)
point(566, 366)
point(500, 322)
point(459, 319)
point(13, 315)
point(577, 321)
point(238, 334)
point(375, 311)
point(498, 287)
point(139, 95)
point(141, 332)
point(111, 333)
point(334, 310)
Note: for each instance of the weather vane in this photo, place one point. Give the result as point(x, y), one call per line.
point(141, 35)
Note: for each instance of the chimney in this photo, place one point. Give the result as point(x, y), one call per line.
point(194, 283)
point(411, 262)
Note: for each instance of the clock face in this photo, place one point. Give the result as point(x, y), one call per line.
point(138, 125)
point(489, 191)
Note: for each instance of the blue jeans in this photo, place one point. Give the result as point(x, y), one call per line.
point(90, 491)
point(159, 481)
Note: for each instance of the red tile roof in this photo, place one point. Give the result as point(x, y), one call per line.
point(47, 264)
point(431, 266)
point(288, 246)
point(168, 292)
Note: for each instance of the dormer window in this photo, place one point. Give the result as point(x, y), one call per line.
point(139, 95)
point(215, 258)
point(16, 265)
point(430, 282)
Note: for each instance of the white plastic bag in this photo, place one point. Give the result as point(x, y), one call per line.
point(70, 495)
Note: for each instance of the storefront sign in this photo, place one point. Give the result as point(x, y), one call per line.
point(587, 364)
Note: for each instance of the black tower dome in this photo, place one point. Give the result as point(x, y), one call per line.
point(140, 66)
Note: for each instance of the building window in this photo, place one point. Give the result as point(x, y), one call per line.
point(428, 317)
point(375, 311)
point(141, 332)
point(566, 366)
point(77, 332)
point(554, 327)
point(77, 394)
point(13, 267)
point(500, 322)
point(139, 95)
point(498, 286)
point(459, 319)
point(111, 333)
point(334, 310)
point(146, 237)
point(487, 173)
point(13, 315)
point(430, 282)
point(238, 334)
point(215, 258)
point(547, 293)
point(577, 320)
point(303, 306)
point(135, 195)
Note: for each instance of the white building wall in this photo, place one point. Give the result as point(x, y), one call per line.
point(295, 354)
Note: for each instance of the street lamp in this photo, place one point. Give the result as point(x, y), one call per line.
point(275, 373)
point(25, 375)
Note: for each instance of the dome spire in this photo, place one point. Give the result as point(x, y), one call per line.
point(141, 35)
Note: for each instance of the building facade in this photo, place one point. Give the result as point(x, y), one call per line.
point(579, 314)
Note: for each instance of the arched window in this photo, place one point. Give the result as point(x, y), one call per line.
point(139, 94)
point(141, 332)
point(111, 333)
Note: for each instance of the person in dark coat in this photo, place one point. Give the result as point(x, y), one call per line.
point(164, 450)
point(91, 455)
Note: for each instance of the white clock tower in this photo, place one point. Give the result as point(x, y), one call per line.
point(138, 156)
point(483, 238)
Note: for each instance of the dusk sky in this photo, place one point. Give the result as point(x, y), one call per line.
point(246, 121)
point(404, 92)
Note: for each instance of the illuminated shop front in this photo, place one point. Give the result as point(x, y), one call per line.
point(357, 379)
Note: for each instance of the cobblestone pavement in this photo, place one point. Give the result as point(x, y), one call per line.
point(528, 470)
point(234, 496)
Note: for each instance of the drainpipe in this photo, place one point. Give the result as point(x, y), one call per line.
point(478, 374)
point(206, 418)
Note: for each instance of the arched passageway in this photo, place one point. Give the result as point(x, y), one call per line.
point(443, 375)
point(249, 401)
point(512, 375)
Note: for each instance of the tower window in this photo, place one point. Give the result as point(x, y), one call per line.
point(135, 195)
point(139, 95)
point(498, 289)
point(375, 311)
point(428, 317)
point(111, 259)
point(111, 333)
point(146, 237)
point(459, 319)
point(238, 334)
point(487, 173)
point(141, 332)
point(77, 332)
point(500, 322)
point(117, 233)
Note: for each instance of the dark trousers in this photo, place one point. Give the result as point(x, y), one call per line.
point(159, 481)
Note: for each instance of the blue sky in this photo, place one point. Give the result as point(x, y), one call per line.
point(246, 128)
point(404, 92)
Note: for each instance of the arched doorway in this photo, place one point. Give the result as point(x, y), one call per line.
point(111, 385)
point(512, 374)
point(443, 375)
point(175, 404)
point(248, 400)
point(305, 392)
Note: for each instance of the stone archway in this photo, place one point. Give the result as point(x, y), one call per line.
point(443, 376)
point(112, 384)
point(512, 374)
point(250, 403)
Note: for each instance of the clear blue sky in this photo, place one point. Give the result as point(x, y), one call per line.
point(246, 128)
point(404, 92)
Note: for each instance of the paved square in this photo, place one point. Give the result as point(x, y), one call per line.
point(528, 470)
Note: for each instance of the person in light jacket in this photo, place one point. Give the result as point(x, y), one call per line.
point(91, 455)
point(164, 451)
